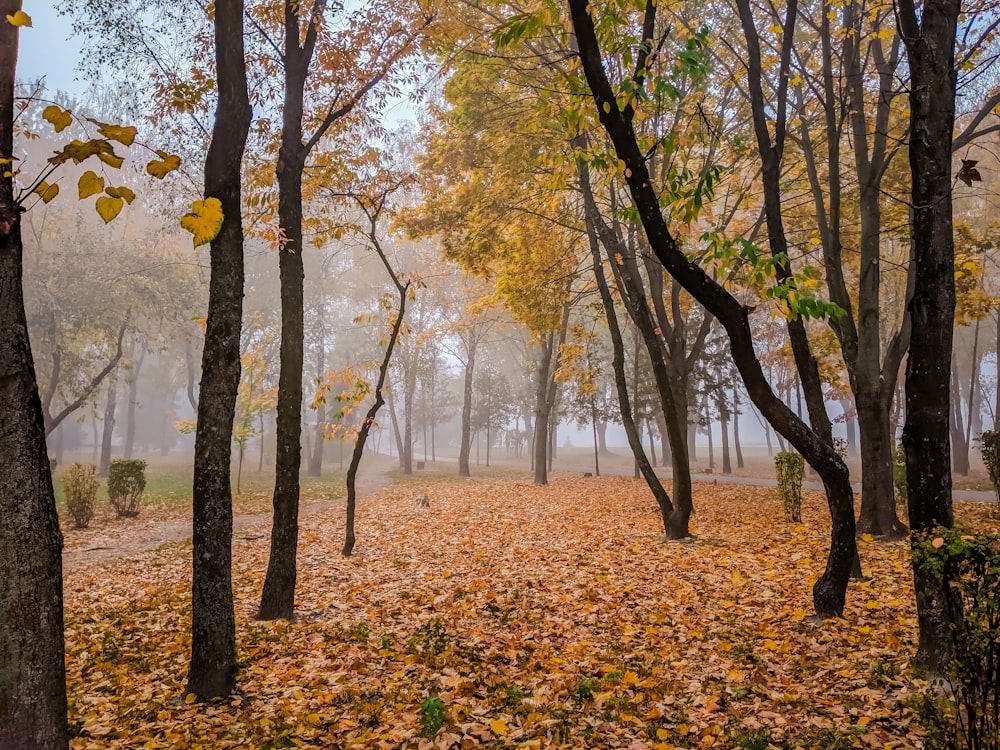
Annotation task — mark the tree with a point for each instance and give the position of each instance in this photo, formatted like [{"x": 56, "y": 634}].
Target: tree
[
  {"x": 300, "y": 46},
  {"x": 930, "y": 45},
  {"x": 213, "y": 631},
  {"x": 830, "y": 590},
  {"x": 32, "y": 670}
]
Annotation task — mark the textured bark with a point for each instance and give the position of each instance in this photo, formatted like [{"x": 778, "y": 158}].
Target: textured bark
[
  {"x": 316, "y": 456},
  {"x": 213, "y": 633},
  {"x": 540, "y": 439},
  {"x": 32, "y": 669},
  {"x": 930, "y": 44},
  {"x": 830, "y": 590}
]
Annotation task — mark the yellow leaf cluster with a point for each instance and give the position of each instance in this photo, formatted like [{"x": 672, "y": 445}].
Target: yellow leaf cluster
[{"x": 204, "y": 221}]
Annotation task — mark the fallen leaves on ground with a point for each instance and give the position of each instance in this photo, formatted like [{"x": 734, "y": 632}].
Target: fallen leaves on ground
[{"x": 510, "y": 615}]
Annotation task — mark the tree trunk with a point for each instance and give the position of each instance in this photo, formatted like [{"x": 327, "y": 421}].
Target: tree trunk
[
  {"x": 736, "y": 428},
  {"x": 466, "y": 440},
  {"x": 540, "y": 439},
  {"x": 930, "y": 44},
  {"x": 878, "y": 507},
  {"x": 213, "y": 631},
  {"x": 133, "y": 401},
  {"x": 410, "y": 383},
  {"x": 316, "y": 458},
  {"x": 956, "y": 425},
  {"x": 830, "y": 590},
  {"x": 727, "y": 466},
  {"x": 660, "y": 493},
  {"x": 32, "y": 660},
  {"x": 110, "y": 406}
]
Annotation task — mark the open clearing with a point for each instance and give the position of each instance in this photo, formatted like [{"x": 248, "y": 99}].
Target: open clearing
[{"x": 529, "y": 616}]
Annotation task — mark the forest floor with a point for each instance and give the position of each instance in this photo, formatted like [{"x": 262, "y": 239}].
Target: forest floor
[{"x": 505, "y": 615}]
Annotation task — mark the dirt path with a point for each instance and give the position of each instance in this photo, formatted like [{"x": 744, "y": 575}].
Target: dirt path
[{"x": 131, "y": 541}]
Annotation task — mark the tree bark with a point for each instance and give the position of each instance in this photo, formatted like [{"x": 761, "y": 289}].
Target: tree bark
[
  {"x": 316, "y": 457},
  {"x": 32, "y": 660},
  {"x": 110, "y": 407},
  {"x": 466, "y": 440},
  {"x": 830, "y": 590},
  {"x": 930, "y": 43},
  {"x": 133, "y": 398},
  {"x": 736, "y": 427},
  {"x": 213, "y": 633}
]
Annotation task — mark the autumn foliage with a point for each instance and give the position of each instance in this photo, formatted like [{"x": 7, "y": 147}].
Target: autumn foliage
[{"x": 510, "y": 615}]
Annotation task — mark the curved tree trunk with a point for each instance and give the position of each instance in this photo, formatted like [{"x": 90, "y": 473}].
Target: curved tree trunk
[
  {"x": 110, "y": 407},
  {"x": 213, "y": 629}
]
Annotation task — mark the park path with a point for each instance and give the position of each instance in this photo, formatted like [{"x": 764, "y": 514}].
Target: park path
[{"x": 133, "y": 540}]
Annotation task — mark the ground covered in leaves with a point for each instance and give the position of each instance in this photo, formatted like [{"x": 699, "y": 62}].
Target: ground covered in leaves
[{"x": 509, "y": 615}]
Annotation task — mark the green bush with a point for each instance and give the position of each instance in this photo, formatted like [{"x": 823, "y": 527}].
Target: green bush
[
  {"x": 788, "y": 470},
  {"x": 966, "y": 567},
  {"x": 899, "y": 473},
  {"x": 989, "y": 448},
  {"x": 432, "y": 716},
  {"x": 80, "y": 485},
  {"x": 126, "y": 482}
]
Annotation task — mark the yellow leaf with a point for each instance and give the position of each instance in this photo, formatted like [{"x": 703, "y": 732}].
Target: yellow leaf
[
  {"x": 59, "y": 117},
  {"x": 606, "y": 107},
  {"x": 190, "y": 698},
  {"x": 46, "y": 191},
  {"x": 90, "y": 184},
  {"x": 498, "y": 726},
  {"x": 111, "y": 159},
  {"x": 662, "y": 734},
  {"x": 121, "y": 192},
  {"x": 124, "y": 135},
  {"x": 204, "y": 221},
  {"x": 109, "y": 207},
  {"x": 867, "y": 538},
  {"x": 20, "y": 18},
  {"x": 160, "y": 169}
]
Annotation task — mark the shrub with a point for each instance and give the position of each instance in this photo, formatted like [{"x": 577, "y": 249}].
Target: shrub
[
  {"x": 966, "y": 568},
  {"x": 126, "y": 482},
  {"x": 788, "y": 470},
  {"x": 989, "y": 448},
  {"x": 80, "y": 484},
  {"x": 899, "y": 473},
  {"x": 432, "y": 716}
]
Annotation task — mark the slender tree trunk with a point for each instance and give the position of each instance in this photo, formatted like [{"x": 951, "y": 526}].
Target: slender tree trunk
[
  {"x": 736, "y": 427},
  {"x": 708, "y": 430},
  {"x": 541, "y": 435},
  {"x": 959, "y": 448},
  {"x": 110, "y": 407},
  {"x": 407, "y": 455},
  {"x": 727, "y": 466},
  {"x": 465, "y": 445},
  {"x": 319, "y": 442},
  {"x": 213, "y": 629},
  {"x": 32, "y": 661},
  {"x": 830, "y": 590},
  {"x": 877, "y": 517},
  {"x": 133, "y": 399}
]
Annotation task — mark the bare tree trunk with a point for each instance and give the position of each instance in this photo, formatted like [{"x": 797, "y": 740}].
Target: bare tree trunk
[
  {"x": 213, "y": 628},
  {"x": 109, "y": 424},
  {"x": 32, "y": 651},
  {"x": 133, "y": 404}
]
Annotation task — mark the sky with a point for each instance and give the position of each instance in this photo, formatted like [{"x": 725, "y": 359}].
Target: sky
[{"x": 47, "y": 49}]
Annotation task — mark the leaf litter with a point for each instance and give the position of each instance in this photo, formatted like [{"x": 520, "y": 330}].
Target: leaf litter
[{"x": 510, "y": 615}]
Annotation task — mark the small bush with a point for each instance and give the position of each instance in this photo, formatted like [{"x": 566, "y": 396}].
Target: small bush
[
  {"x": 432, "y": 716},
  {"x": 899, "y": 473},
  {"x": 80, "y": 484},
  {"x": 788, "y": 470},
  {"x": 126, "y": 482},
  {"x": 989, "y": 448},
  {"x": 967, "y": 569}
]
